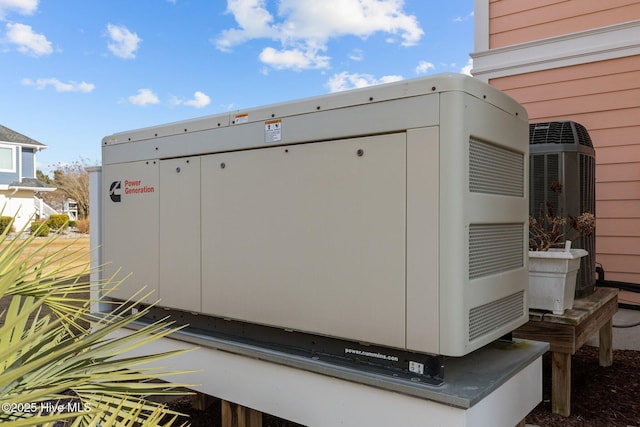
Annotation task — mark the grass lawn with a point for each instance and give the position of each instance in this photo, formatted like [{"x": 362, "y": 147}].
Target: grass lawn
[{"x": 74, "y": 251}]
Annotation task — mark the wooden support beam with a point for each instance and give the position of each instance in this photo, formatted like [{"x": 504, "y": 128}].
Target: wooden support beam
[
  {"x": 561, "y": 383},
  {"x": 202, "y": 401},
  {"x": 234, "y": 415},
  {"x": 606, "y": 344}
]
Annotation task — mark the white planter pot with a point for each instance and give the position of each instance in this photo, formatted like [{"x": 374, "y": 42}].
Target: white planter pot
[{"x": 552, "y": 278}]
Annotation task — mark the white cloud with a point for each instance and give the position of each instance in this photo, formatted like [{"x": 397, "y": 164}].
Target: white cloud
[
  {"x": 303, "y": 27},
  {"x": 345, "y": 81},
  {"x": 356, "y": 55},
  {"x": 124, "y": 43},
  {"x": 28, "y": 42},
  {"x": 23, "y": 7},
  {"x": 464, "y": 18},
  {"x": 467, "y": 68},
  {"x": 294, "y": 59},
  {"x": 199, "y": 100},
  {"x": 60, "y": 86},
  {"x": 144, "y": 97},
  {"x": 253, "y": 19},
  {"x": 424, "y": 67}
]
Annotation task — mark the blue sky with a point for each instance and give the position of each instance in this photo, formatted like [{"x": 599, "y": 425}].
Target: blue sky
[{"x": 74, "y": 71}]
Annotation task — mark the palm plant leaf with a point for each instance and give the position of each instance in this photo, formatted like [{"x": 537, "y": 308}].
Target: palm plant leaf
[{"x": 47, "y": 349}]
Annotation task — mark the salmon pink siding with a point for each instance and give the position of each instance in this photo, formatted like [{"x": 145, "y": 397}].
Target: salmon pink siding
[
  {"x": 517, "y": 21},
  {"x": 605, "y": 97}
]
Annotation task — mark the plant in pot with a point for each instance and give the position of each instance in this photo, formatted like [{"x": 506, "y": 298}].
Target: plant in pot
[{"x": 553, "y": 264}]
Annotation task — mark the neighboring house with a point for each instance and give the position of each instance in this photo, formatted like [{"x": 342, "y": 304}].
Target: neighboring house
[
  {"x": 577, "y": 60},
  {"x": 18, "y": 183},
  {"x": 70, "y": 207}
]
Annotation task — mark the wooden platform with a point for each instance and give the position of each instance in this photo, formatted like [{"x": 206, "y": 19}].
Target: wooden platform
[{"x": 567, "y": 332}]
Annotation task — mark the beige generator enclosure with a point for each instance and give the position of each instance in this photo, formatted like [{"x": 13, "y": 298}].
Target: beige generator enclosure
[{"x": 394, "y": 215}]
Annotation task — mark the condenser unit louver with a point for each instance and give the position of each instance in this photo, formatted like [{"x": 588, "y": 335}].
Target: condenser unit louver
[{"x": 562, "y": 152}]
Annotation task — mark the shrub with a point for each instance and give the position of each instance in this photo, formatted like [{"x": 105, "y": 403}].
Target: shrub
[
  {"x": 58, "y": 221},
  {"x": 5, "y": 221},
  {"x": 72, "y": 223},
  {"x": 40, "y": 229},
  {"x": 82, "y": 226}
]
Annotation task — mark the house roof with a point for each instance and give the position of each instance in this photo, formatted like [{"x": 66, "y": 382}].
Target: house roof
[
  {"x": 31, "y": 184},
  {"x": 9, "y": 135}
]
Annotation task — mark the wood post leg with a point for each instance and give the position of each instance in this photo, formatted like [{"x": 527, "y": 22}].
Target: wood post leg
[
  {"x": 202, "y": 401},
  {"x": 561, "y": 383},
  {"x": 606, "y": 344},
  {"x": 240, "y": 416},
  {"x": 227, "y": 415}
]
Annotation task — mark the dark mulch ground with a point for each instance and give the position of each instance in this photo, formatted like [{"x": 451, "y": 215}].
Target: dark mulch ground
[{"x": 601, "y": 397}]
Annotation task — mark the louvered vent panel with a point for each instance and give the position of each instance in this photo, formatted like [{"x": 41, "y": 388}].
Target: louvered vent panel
[
  {"x": 586, "y": 275},
  {"x": 489, "y": 317},
  {"x": 495, "y": 248},
  {"x": 495, "y": 170}
]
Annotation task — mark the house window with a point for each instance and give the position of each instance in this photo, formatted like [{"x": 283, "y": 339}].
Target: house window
[{"x": 7, "y": 159}]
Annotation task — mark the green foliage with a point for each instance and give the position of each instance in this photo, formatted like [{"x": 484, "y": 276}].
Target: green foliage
[
  {"x": 58, "y": 221},
  {"x": 48, "y": 353},
  {"x": 42, "y": 177},
  {"x": 39, "y": 229},
  {"x": 73, "y": 224},
  {"x": 5, "y": 222}
]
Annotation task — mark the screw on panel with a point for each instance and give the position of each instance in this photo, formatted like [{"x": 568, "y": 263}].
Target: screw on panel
[
  {"x": 223, "y": 165},
  {"x": 371, "y": 98},
  {"x": 360, "y": 152},
  {"x": 273, "y": 115},
  {"x": 178, "y": 170},
  {"x": 433, "y": 88},
  {"x": 318, "y": 107}
]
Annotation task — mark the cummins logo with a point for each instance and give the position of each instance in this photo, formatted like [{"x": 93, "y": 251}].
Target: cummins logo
[{"x": 114, "y": 191}]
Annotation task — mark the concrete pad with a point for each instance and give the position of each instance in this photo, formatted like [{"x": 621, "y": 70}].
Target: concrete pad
[{"x": 624, "y": 338}]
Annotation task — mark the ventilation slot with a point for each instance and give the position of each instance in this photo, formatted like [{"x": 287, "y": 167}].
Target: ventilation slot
[
  {"x": 495, "y": 170},
  {"x": 545, "y": 170},
  {"x": 495, "y": 248},
  {"x": 492, "y": 316}
]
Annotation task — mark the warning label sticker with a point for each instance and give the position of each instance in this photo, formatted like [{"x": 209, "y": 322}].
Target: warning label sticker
[
  {"x": 241, "y": 118},
  {"x": 272, "y": 131}
]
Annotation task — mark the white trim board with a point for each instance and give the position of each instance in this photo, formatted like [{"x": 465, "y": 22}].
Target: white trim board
[{"x": 614, "y": 41}]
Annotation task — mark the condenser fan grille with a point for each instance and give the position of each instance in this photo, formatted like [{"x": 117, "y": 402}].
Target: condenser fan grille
[{"x": 559, "y": 133}]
